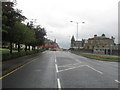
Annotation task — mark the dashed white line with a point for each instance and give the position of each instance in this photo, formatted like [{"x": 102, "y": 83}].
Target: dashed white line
[
  {"x": 58, "y": 80},
  {"x": 59, "y": 84},
  {"x": 55, "y": 60},
  {"x": 55, "y": 57},
  {"x": 117, "y": 81},
  {"x": 94, "y": 69},
  {"x": 56, "y": 68}
]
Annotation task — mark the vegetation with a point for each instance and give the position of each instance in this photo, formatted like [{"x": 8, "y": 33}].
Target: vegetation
[
  {"x": 4, "y": 50},
  {"x": 9, "y": 56},
  {"x": 15, "y": 31},
  {"x": 99, "y": 57},
  {"x": 105, "y": 58}
]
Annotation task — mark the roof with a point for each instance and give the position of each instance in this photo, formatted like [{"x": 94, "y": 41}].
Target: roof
[{"x": 98, "y": 38}]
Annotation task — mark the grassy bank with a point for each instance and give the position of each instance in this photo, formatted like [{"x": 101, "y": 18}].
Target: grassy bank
[
  {"x": 8, "y": 56},
  {"x": 99, "y": 57}
]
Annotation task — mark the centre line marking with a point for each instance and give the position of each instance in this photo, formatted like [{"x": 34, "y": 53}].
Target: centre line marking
[
  {"x": 55, "y": 57},
  {"x": 117, "y": 81},
  {"x": 55, "y": 60},
  {"x": 59, "y": 84},
  {"x": 56, "y": 68},
  {"x": 94, "y": 69}
]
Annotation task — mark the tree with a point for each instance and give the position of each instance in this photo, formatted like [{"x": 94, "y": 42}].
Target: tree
[
  {"x": 22, "y": 34},
  {"x": 10, "y": 17},
  {"x": 40, "y": 33},
  {"x": 14, "y": 31}
]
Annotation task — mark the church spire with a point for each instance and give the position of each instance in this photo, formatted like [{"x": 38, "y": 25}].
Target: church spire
[{"x": 72, "y": 39}]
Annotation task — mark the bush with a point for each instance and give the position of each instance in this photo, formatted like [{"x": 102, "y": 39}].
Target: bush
[{"x": 8, "y": 56}]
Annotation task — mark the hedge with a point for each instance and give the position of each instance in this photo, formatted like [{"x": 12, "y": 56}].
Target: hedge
[{"x": 8, "y": 56}]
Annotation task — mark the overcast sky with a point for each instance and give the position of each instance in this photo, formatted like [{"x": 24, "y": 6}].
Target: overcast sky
[{"x": 100, "y": 16}]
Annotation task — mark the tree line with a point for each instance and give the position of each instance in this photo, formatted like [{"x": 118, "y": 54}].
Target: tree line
[{"x": 14, "y": 30}]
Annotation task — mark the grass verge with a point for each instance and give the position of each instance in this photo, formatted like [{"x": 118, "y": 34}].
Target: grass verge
[{"x": 99, "y": 57}]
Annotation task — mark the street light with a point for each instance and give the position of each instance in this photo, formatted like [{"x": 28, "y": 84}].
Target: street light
[{"x": 77, "y": 28}]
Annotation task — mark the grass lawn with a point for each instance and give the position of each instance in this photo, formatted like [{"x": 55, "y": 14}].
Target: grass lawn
[{"x": 100, "y": 57}]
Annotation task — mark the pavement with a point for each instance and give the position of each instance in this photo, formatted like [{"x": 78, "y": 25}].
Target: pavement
[
  {"x": 10, "y": 65},
  {"x": 59, "y": 69}
]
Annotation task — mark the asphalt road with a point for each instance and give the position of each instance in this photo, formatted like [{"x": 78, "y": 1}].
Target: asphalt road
[{"x": 58, "y": 69}]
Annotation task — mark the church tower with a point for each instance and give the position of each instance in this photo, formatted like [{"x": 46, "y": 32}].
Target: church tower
[{"x": 72, "y": 42}]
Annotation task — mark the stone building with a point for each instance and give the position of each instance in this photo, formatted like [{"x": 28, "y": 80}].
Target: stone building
[
  {"x": 100, "y": 44},
  {"x": 51, "y": 45},
  {"x": 76, "y": 44}
]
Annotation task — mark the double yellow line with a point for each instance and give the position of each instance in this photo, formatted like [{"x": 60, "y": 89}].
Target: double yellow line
[{"x": 18, "y": 68}]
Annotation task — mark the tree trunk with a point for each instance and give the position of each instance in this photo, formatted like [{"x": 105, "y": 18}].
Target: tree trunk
[
  {"x": 29, "y": 47},
  {"x": 32, "y": 47},
  {"x": 10, "y": 47},
  {"x": 18, "y": 47},
  {"x": 25, "y": 47}
]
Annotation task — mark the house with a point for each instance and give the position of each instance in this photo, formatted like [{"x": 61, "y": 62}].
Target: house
[{"x": 100, "y": 44}]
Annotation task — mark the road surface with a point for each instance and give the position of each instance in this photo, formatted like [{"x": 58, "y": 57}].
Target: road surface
[{"x": 59, "y": 69}]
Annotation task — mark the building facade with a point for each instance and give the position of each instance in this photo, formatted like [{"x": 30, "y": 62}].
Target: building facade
[
  {"x": 97, "y": 44},
  {"x": 100, "y": 44},
  {"x": 76, "y": 44},
  {"x": 51, "y": 45}
]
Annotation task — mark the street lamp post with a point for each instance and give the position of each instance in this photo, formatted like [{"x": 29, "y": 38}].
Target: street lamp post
[{"x": 77, "y": 28}]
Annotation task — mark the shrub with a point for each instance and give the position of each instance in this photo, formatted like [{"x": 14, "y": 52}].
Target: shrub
[{"x": 8, "y": 56}]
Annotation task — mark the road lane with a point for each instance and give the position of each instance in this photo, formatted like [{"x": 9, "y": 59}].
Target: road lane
[
  {"x": 38, "y": 74},
  {"x": 59, "y": 69},
  {"x": 86, "y": 74}
]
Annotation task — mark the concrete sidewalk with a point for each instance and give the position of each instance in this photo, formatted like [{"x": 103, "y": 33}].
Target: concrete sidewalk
[{"x": 10, "y": 65}]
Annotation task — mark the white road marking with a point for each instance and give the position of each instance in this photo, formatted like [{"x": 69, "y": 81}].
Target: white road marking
[
  {"x": 117, "y": 81},
  {"x": 55, "y": 60},
  {"x": 71, "y": 68},
  {"x": 94, "y": 69},
  {"x": 77, "y": 61},
  {"x": 68, "y": 65},
  {"x": 55, "y": 57},
  {"x": 59, "y": 84},
  {"x": 56, "y": 68}
]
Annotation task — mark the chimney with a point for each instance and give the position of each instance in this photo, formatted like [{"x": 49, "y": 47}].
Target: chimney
[{"x": 95, "y": 35}]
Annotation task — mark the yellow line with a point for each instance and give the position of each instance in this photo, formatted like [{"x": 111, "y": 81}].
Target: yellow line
[{"x": 17, "y": 69}]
